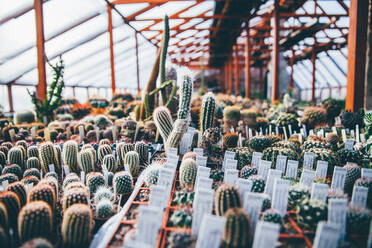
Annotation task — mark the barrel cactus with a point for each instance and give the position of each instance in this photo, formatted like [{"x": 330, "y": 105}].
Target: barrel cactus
[
  {"x": 103, "y": 150},
  {"x": 103, "y": 193},
  {"x": 104, "y": 209},
  {"x": 296, "y": 194},
  {"x": 70, "y": 155},
  {"x": 238, "y": 229},
  {"x": 32, "y": 151},
  {"x": 227, "y": 196},
  {"x": 94, "y": 181},
  {"x": 86, "y": 161},
  {"x": 273, "y": 216},
  {"x": 109, "y": 162},
  {"x": 14, "y": 169},
  {"x": 258, "y": 185},
  {"x": 16, "y": 156},
  {"x": 19, "y": 189},
  {"x": 141, "y": 148},
  {"x": 42, "y": 192},
  {"x": 33, "y": 162},
  {"x": 12, "y": 204},
  {"x": 74, "y": 196},
  {"x": 187, "y": 173},
  {"x": 310, "y": 212},
  {"x": 123, "y": 182},
  {"x": 132, "y": 159},
  {"x": 47, "y": 156}
]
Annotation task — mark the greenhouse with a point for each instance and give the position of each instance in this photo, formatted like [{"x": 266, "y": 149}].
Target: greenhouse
[{"x": 185, "y": 123}]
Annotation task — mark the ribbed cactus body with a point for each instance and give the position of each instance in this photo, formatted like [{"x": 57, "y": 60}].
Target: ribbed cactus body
[
  {"x": 103, "y": 193},
  {"x": 94, "y": 181},
  {"x": 92, "y": 150},
  {"x": 188, "y": 170},
  {"x": 121, "y": 150},
  {"x": 123, "y": 182},
  {"x": 109, "y": 162},
  {"x": 37, "y": 243},
  {"x": 238, "y": 229},
  {"x": 132, "y": 159},
  {"x": 74, "y": 185},
  {"x": 86, "y": 161},
  {"x": 207, "y": 112},
  {"x": 35, "y": 220},
  {"x": 30, "y": 180},
  {"x": 70, "y": 155},
  {"x": 104, "y": 209},
  {"x": 52, "y": 181},
  {"x": 8, "y": 145},
  {"x": 10, "y": 177},
  {"x": 141, "y": 148},
  {"x": 33, "y": 162},
  {"x": 2, "y": 158},
  {"x": 32, "y": 151},
  {"x": 163, "y": 121},
  {"x": 70, "y": 178},
  {"x": 4, "y": 219},
  {"x": 103, "y": 150},
  {"x": 32, "y": 172},
  {"x": 74, "y": 196},
  {"x": 77, "y": 226},
  {"x": 185, "y": 97},
  {"x": 12, "y": 204},
  {"x": 15, "y": 156},
  {"x": 5, "y": 150},
  {"x": 175, "y": 137},
  {"x": 227, "y": 196},
  {"x": 48, "y": 155},
  {"x": 42, "y": 192},
  {"x": 58, "y": 150},
  {"x": 152, "y": 174},
  {"x": 22, "y": 143},
  {"x": 20, "y": 190},
  {"x": 51, "y": 174},
  {"x": 14, "y": 169}
]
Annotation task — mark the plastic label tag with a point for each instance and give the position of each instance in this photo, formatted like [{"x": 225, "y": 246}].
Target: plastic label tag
[
  {"x": 359, "y": 197},
  {"x": 337, "y": 210},
  {"x": 338, "y": 179},
  {"x": 203, "y": 183},
  {"x": 201, "y": 160},
  {"x": 366, "y": 172},
  {"x": 307, "y": 177},
  {"x": 319, "y": 191},
  {"x": 256, "y": 158},
  {"x": 321, "y": 169},
  {"x": 272, "y": 175},
  {"x": 263, "y": 168},
  {"x": 349, "y": 144},
  {"x": 81, "y": 132},
  {"x": 280, "y": 195},
  {"x": 211, "y": 231},
  {"x": 149, "y": 222},
  {"x": 266, "y": 235},
  {"x": 292, "y": 167},
  {"x": 281, "y": 162},
  {"x": 157, "y": 196},
  {"x": 244, "y": 186},
  {"x": 51, "y": 168},
  {"x": 231, "y": 164},
  {"x": 309, "y": 160},
  {"x": 66, "y": 169},
  {"x": 199, "y": 151},
  {"x": 203, "y": 204},
  {"x": 231, "y": 176},
  {"x": 327, "y": 235}
]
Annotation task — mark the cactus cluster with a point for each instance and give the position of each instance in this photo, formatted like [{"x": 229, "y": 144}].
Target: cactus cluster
[
  {"x": 296, "y": 194},
  {"x": 310, "y": 212}
]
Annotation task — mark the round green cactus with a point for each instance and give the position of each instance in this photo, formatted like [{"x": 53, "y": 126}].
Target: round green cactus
[
  {"x": 10, "y": 177},
  {"x": 121, "y": 150},
  {"x": 103, "y": 150},
  {"x": 187, "y": 173},
  {"x": 273, "y": 216},
  {"x": 258, "y": 185},
  {"x": 123, "y": 182},
  {"x": 357, "y": 220},
  {"x": 310, "y": 212},
  {"x": 26, "y": 116},
  {"x": 104, "y": 209},
  {"x": 141, "y": 148},
  {"x": 227, "y": 196},
  {"x": 94, "y": 181},
  {"x": 248, "y": 171},
  {"x": 30, "y": 180},
  {"x": 152, "y": 174},
  {"x": 296, "y": 194}
]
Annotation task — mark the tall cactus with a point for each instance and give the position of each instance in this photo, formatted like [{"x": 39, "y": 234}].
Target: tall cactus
[
  {"x": 227, "y": 196},
  {"x": 185, "y": 96},
  {"x": 141, "y": 148},
  {"x": 42, "y": 192},
  {"x": 15, "y": 156},
  {"x": 132, "y": 159},
  {"x": 77, "y": 226},
  {"x": 32, "y": 151},
  {"x": 35, "y": 220},
  {"x": 109, "y": 162},
  {"x": 121, "y": 150},
  {"x": 163, "y": 58},
  {"x": 12, "y": 204},
  {"x": 20, "y": 190},
  {"x": 33, "y": 162},
  {"x": 86, "y": 161},
  {"x": 103, "y": 150},
  {"x": 238, "y": 229},
  {"x": 207, "y": 112},
  {"x": 70, "y": 155},
  {"x": 52, "y": 181},
  {"x": 188, "y": 170},
  {"x": 47, "y": 156},
  {"x": 163, "y": 121}
]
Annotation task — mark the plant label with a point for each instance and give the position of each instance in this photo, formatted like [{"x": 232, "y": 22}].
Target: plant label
[
  {"x": 231, "y": 164},
  {"x": 211, "y": 231},
  {"x": 5, "y": 184},
  {"x": 186, "y": 143},
  {"x": 244, "y": 186},
  {"x": 203, "y": 171},
  {"x": 338, "y": 179},
  {"x": 231, "y": 176},
  {"x": 172, "y": 150},
  {"x": 263, "y": 168},
  {"x": 349, "y": 144},
  {"x": 33, "y": 132},
  {"x": 309, "y": 160},
  {"x": 203, "y": 183},
  {"x": 252, "y": 204},
  {"x": 149, "y": 222},
  {"x": 246, "y": 132},
  {"x": 250, "y": 132},
  {"x": 319, "y": 191},
  {"x": 337, "y": 210},
  {"x": 157, "y": 196},
  {"x": 66, "y": 169},
  {"x": 359, "y": 197},
  {"x": 270, "y": 180},
  {"x": 81, "y": 132},
  {"x": 352, "y": 133},
  {"x": 321, "y": 169},
  {"x": 366, "y": 172},
  {"x": 166, "y": 177},
  {"x": 290, "y": 129},
  {"x": 228, "y": 155},
  {"x": 292, "y": 167},
  {"x": 277, "y": 130},
  {"x": 307, "y": 177},
  {"x": 311, "y": 132},
  {"x": 28, "y": 187},
  {"x": 327, "y": 235},
  {"x": 343, "y": 134},
  {"x": 199, "y": 151},
  {"x": 256, "y": 158},
  {"x": 285, "y": 133},
  {"x": 82, "y": 177},
  {"x": 201, "y": 160},
  {"x": 126, "y": 167},
  {"x": 51, "y": 168},
  {"x": 281, "y": 162},
  {"x": 266, "y": 235},
  {"x": 203, "y": 204},
  {"x": 280, "y": 195},
  {"x": 270, "y": 129}
]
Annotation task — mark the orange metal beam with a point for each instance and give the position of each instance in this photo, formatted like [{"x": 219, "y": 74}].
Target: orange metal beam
[
  {"x": 236, "y": 77},
  {"x": 291, "y": 62},
  {"x": 313, "y": 59},
  {"x": 247, "y": 66},
  {"x": 40, "y": 41},
  {"x": 144, "y": 1},
  {"x": 10, "y": 98},
  {"x": 275, "y": 72},
  {"x": 112, "y": 62},
  {"x": 357, "y": 41},
  {"x": 137, "y": 66}
]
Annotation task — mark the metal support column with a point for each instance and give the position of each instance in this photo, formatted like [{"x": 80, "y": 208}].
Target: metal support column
[{"x": 109, "y": 10}]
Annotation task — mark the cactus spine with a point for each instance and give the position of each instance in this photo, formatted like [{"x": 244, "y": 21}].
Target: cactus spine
[
  {"x": 94, "y": 181},
  {"x": 77, "y": 226},
  {"x": 12, "y": 204},
  {"x": 32, "y": 172},
  {"x": 123, "y": 182},
  {"x": 2, "y": 159},
  {"x": 74, "y": 196},
  {"x": 163, "y": 121},
  {"x": 20, "y": 190},
  {"x": 70, "y": 155},
  {"x": 32, "y": 151},
  {"x": 48, "y": 155},
  {"x": 15, "y": 156},
  {"x": 103, "y": 150},
  {"x": 4, "y": 219},
  {"x": 185, "y": 97},
  {"x": 42, "y": 192},
  {"x": 109, "y": 162},
  {"x": 141, "y": 148},
  {"x": 132, "y": 159},
  {"x": 227, "y": 196},
  {"x": 104, "y": 209},
  {"x": 238, "y": 229},
  {"x": 35, "y": 220},
  {"x": 33, "y": 162},
  {"x": 207, "y": 112},
  {"x": 14, "y": 169},
  {"x": 86, "y": 161},
  {"x": 188, "y": 170}
]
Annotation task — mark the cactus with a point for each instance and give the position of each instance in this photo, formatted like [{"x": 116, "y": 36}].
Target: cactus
[
  {"x": 48, "y": 155},
  {"x": 350, "y": 119},
  {"x": 152, "y": 174},
  {"x": 357, "y": 220},
  {"x": 86, "y": 161},
  {"x": 296, "y": 194},
  {"x": 230, "y": 140},
  {"x": 94, "y": 181},
  {"x": 273, "y": 216},
  {"x": 53, "y": 182},
  {"x": 22, "y": 143},
  {"x": 30, "y": 179},
  {"x": 141, "y": 148},
  {"x": 32, "y": 151},
  {"x": 333, "y": 139},
  {"x": 20, "y": 190},
  {"x": 104, "y": 209},
  {"x": 70, "y": 178},
  {"x": 35, "y": 220},
  {"x": 33, "y": 162},
  {"x": 122, "y": 149},
  {"x": 4, "y": 219},
  {"x": 207, "y": 112},
  {"x": 174, "y": 138},
  {"x": 238, "y": 229},
  {"x": 123, "y": 182},
  {"x": 109, "y": 162},
  {"x": 366, "y": 182},
  {"x": 37, "y": 243},
  {"x": 51, "y": 174},
  {"x": 42, "y": 192},
  {"x": 2, "y": 159},
  {"x": 266, "y": 203},
  {"x": 10, "y": 177},
  {"x": 32, "y": 172},
  {"x": 185, "y": 97},
  {"x": 74, "y": 196},
  {"x": 260, "y": 143},
  {"x": 180, "y": 238},
  {"x": 7, "y": 145},
  {"x": 12, "y": 204},
  {"x": 247, "y": 171},
  {"x": 231, "y": 117},
  {"x": 310, "y": 212},
  {"x": 314, "y": 116},
  {"x": 187, "y": 173},
  {"x": 14, "y": 169},
  {"x": 132, "y": 159},
  {"x": 103, "y": 193},
  {"x": 352, "y": 156},
  {"x": 333, "y": 109},
  {"x": 163, "y": 121},
  {"x": 77, "y": 226},
  {"x": 353, "y": 173},
  {"x": 103, "y": 150},
  {"x": 15, "y": 156},
  {"x": 70, "y": 155},
  {"x": 74, "y": 185},
  {"x": 227, "y": 196},
  {"x": 5, "y": 150},
  {"x": 88, "y": 147},
  {"x": 110, "y": 177},
  {"x": 258, "y": 183}
]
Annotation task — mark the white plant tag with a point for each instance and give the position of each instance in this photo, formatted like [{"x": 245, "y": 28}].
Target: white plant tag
[
  {"x": 82, "y": 177},
  {"x": 51, "y": 168},
  {"x": 244, "y": 186},
  {"x": 97, "y": 133},
  {"x": 5, "y": 184},
  {"x": 319, "y": 191},
  {"x": 203, "y": 183},
  {"x": 256, "y": 158},
  {"x": 186, "y": 143},
  {"x": 263, "y": 168},
  {"x": 201, "y": 160},
  {"x": 290, "y": 129},
  {"x": 252, "y": 204},
  {"x": 149, "y": 223},
  {"x": 228, "y": 155},
  {"x": 272, "y": 175},
  {"x": 337, "y": 210},
  {"x": 33, "y": 132},
  {"x": 280, "y": 195},
  {"x": 307, "y": 177},
  {"x": 285, "y": 133},
  {"x": 199, "y": 151},
  {"x": 126, "y": 167},
  {"x": 158, "y": 196},
  {"x": 250, "y": 133},
  {"x": 246, "y": 132},
  {"x": 292, "y": 167},
  {"x": 277, "y": 130},
  {"x": 45, "y": 120},
  {"x": 327, "y": 235},
  {"x": 203, "y": 171},
  {"x": 334, "y": 130},
  {"x": 68, "y": 131},
  {"x": 359, "y": 197},
  {"x": 210, "y": 231},
  {"x": 281, "y": 162},
  {"x": 81, "y": 132},
  {"x": 366, "y": 172},
  {"x": 231, "y": 176},
  {"x": 266, "y": 235},
  {"x": 309, "y": 160},
  {"x": 357, "y": 133},
  {"x": 352, "y": 133},
  {"x": 311, "y": 132},
  {"x": 66, "y": 169},
  {"x": 321, "y": 169},
  {"x": 343, "y": 134},
  {"x": 338, "y": 179},
  {"x": 231, "y": 164},
  {"x": 349, "y": 144},
  {"x": 172, "y": 150},
  {"x": 203, "y": 204},
  {"x": 115, "y": 133},
  {"x": 270, "y": 129},
  {"x": 28, "y": 187},
  {"x": 166, "y": 177}
]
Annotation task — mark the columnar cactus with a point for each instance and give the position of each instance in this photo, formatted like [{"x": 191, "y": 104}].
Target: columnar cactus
[
  {"x": 94, "y": 181},
  {"x": 187, "y": 173},
  {"x": 90, "y": 148},
  {"x": 24, "y": 151},
  {"x": 207, "y": 112},
  {"x": 2, "y": 159},
  {"x": 141, "y": 148},
  {"x": 8, "y": 145},
  {"x": 104, "y": 209},
  {"x": 86, "y": 161},
  {"x": 132, "y": 159},
  {"x": 52, "y": 181},
  {"x": 238, "y": 229},
  {"x": 74, "y": 196},
  {"x": 12, "y": 204},
  {"x": 121, "y": 150},
  {"x": 33, "y": 162},
  {"x": 103, "y": 150},
  {"x": 48, "y": 155},
  {"x": 14, "y": 169},
  {"x": 4, "y": 219},
  {"x": 5, "y": 150},
  {"x": 77, "y": 226},
  {"x": 20, "y": 190},
  {"x": 35, "y": 220},
  {"x": 185, "y": 97},
  {"x": 32, "y": 151},
  {"x": 163, "y": 121},
  {"x": 70, "y": 155},
  {"x": 15, "y": 156},
  {"x": 109, "y": 162},
  {"x": 10, "y": 177},
  {"x": 227, "y": 196},
  {"x": 42, "y": 192},
  {"x": 353, "y": 173},
  {"x": 123, "y": 182}
]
